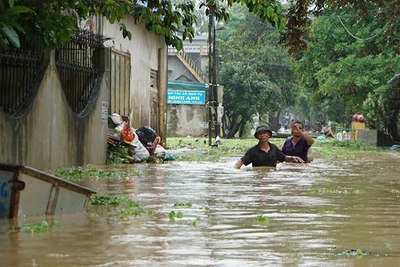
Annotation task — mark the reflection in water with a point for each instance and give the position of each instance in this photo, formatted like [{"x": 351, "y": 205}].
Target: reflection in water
[{"x": 316, "y": 211}]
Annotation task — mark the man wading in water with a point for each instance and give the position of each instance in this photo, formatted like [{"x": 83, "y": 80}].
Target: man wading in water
[
  {"x": 264, "y": 153},
  {"x": 299, "y": 144}
]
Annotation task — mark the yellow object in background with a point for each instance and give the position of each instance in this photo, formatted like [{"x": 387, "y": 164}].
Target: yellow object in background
[{"x": 356, "y": 126}]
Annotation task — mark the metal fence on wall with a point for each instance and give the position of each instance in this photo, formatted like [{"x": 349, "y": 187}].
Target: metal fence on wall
[
  {"x": 80, "y": 66},
  {"x": 79, "y": 62},
  {"x": 21, "y": 71}
]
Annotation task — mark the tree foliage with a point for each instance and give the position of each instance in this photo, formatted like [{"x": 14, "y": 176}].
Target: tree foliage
[
  {"x": 56, "y": 21},
  {"x": 9, "y": 23},
  {"x": 348, "y": 64},
  {"x": 301, "y": 13},
  {"x": 255, "y": 73}
]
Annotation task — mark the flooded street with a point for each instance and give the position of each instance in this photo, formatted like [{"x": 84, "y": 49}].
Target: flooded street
[{"x": 294, "y": 215}]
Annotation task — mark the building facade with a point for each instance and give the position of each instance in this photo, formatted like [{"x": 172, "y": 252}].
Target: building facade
[{"x": 188, "y": 75}]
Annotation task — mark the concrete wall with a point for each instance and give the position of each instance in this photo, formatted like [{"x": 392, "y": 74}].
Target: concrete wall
[
  {"x": 184, "y": 120},
  {"x": 50, "y": 135},
  {"x": 368, "y": 137}
]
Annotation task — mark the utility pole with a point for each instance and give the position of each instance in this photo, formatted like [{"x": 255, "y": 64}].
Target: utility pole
[
  {"x": 211, "y": 49},
  {"x": 213, "y": 123},
  {"x": 215, "y": 81}
]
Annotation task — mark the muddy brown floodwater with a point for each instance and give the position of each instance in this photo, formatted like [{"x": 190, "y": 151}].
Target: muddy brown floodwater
[{"x": 316, "y": 212}]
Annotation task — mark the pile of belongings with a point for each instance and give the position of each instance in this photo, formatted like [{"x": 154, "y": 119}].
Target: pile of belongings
[{"x": 129, "y": 145}]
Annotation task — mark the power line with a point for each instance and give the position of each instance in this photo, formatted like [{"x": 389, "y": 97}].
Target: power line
[{"x": 357, "y": 38}]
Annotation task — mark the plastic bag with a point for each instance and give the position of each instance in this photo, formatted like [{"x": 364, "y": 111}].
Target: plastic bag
[
  {"x": 146, "y": 135},
  {"x": 159, "y": 151},
  {"x": 140, "y": 151}
]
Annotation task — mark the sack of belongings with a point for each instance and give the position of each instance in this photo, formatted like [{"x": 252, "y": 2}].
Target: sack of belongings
[{"x": 148, "y": 137}]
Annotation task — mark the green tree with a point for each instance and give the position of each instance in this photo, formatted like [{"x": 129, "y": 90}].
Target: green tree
[
  {"x": 348, "y": 65},
  {"x": 255, "y": 72},
  {"x": 55, "y": 21},
  {"x": 301, "y": 13},
  {"x": 382, "y": 107}
]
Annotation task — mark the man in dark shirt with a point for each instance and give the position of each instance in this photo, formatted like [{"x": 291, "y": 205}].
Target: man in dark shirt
[
  {"x": 300, "y": 142},
  {"x": 264, "y": 153}
]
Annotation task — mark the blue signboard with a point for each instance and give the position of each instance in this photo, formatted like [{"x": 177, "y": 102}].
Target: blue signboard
[{"x": 186, "y": 97}]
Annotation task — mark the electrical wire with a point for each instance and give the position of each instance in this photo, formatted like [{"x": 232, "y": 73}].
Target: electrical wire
[{"x": 361, "y": 39}]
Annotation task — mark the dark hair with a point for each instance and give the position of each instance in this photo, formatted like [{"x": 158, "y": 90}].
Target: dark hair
[{"x": 299, "y": 122}]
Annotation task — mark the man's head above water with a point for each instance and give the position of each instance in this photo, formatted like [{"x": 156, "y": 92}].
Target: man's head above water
[
  {"x": 296, "y": 128},
  {"x": 262, "y": 129}
]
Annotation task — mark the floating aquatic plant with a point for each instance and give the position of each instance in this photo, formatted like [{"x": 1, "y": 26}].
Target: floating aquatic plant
[
  {"x": 79, "y": 174},
  {"x": 395, "y": 191},
  {"x": 43, "y": 226},
  {"x": 261, "y": 218},
  {"x": 172, "y": 215},
  {"x": 179, "y": 204},
  {"x": 327, "y": 212},
  {"x": 127, "y": 207},
  {"x": 336, "y": 191},
  {"x": 40, "y": 227}
]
